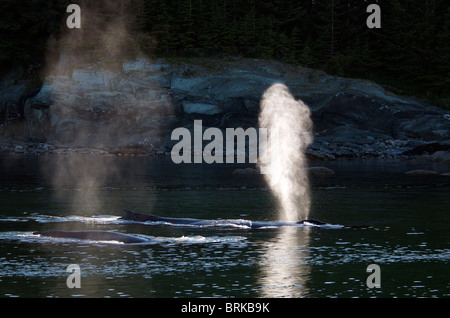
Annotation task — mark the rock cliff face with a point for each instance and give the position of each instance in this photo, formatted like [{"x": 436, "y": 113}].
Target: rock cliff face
[{"x": 139, "y": 104}]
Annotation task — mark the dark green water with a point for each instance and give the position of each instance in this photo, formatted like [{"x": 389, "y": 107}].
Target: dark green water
[{"x": 408, "y": 239}]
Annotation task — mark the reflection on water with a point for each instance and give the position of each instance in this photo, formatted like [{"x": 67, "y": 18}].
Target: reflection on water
[
  {"x": 283, "y": 268},
  {"x": 408, "y": 240}
]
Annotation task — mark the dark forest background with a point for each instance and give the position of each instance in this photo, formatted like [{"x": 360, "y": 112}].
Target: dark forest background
[{"x": 410, "y": 53}]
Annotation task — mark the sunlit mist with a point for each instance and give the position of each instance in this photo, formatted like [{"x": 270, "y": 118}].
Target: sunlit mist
[{"x": 289, "y": 128}]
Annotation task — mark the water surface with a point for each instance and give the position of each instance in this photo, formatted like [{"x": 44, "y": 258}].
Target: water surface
[{"x": 408, "y": 237}]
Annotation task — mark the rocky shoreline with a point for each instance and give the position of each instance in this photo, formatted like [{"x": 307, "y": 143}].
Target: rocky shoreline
[
  {"x": 131, "y": 111},
  {"x": 413, "y": 151}
]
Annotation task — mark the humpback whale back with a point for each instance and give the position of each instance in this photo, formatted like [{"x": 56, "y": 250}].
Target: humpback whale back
[
  {"x": 93, "y": 235},
  {"x": 140, "y": 217},
  {"x": 311, "y": 222}
]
